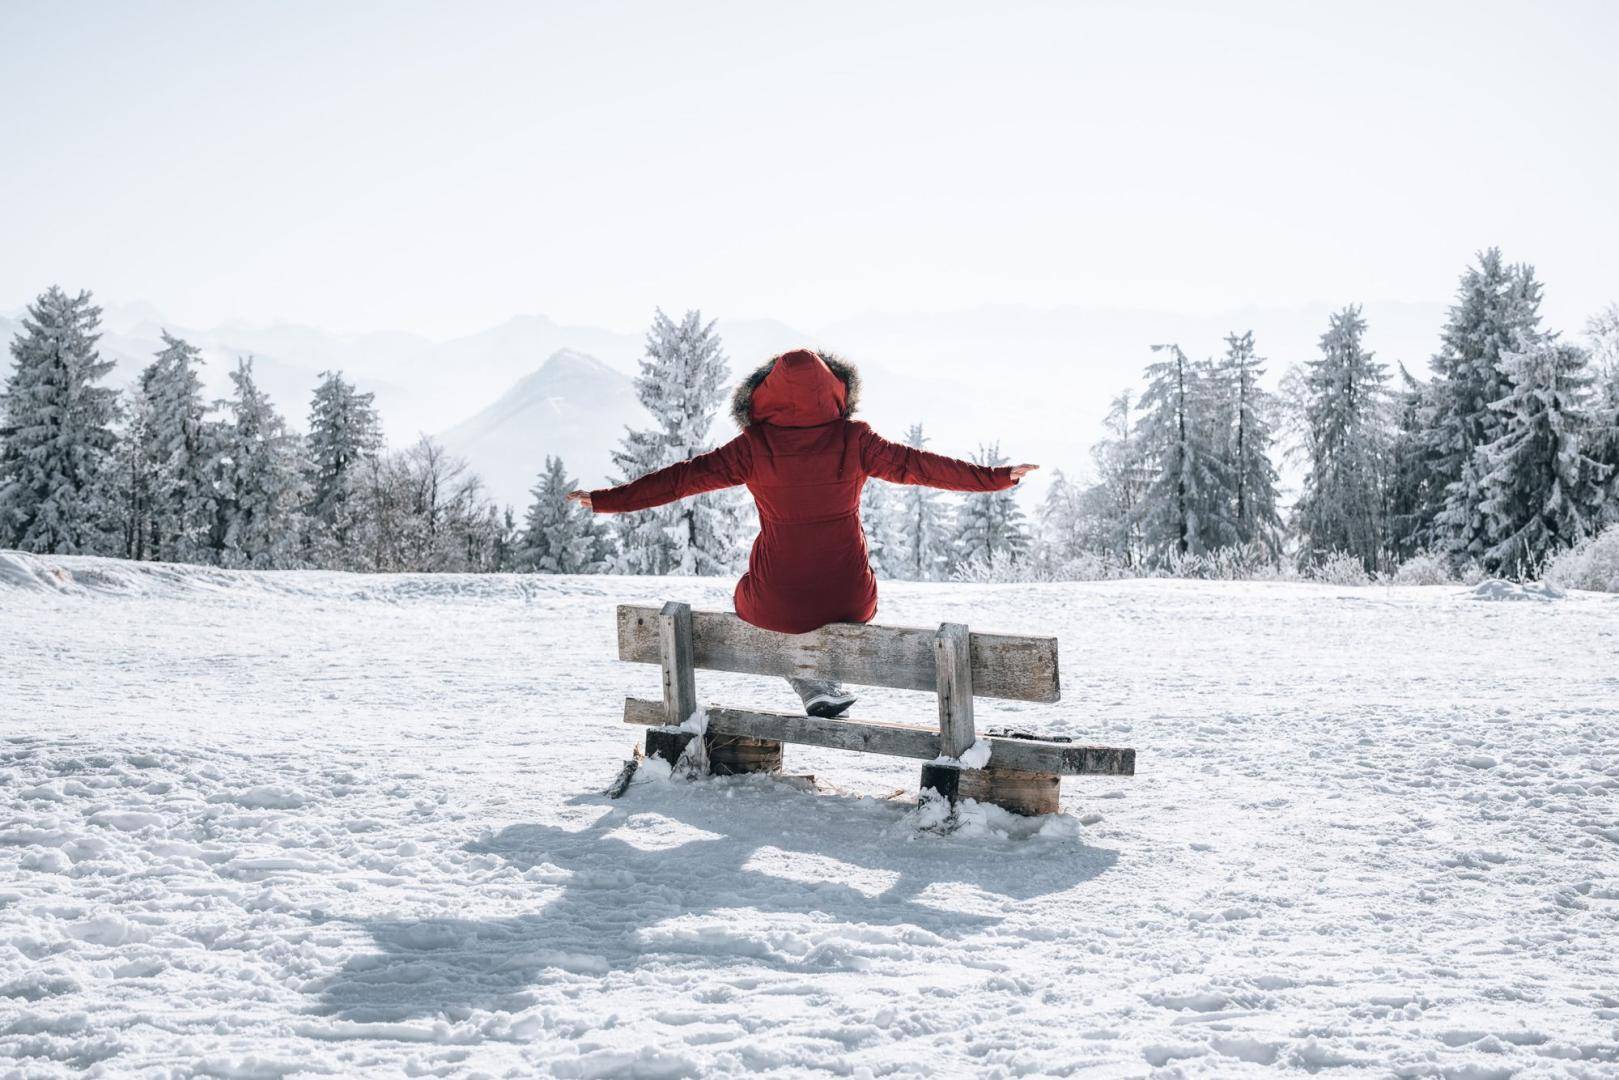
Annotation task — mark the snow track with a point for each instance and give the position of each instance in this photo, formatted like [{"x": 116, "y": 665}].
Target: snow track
[{"x": 269, "y": 825}]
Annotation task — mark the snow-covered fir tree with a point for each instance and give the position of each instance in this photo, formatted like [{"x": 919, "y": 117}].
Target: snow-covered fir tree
[
  {"x": 989, "y": 524},
  {"x": 925, "y": 524},
  {"x": 1076, "y": 519},
  {"x": 345, "y": 437},
  {"x": 258, "y": 472},
  {"x": 56, "y": 432},
  {"x": 1060, "y": 524},
  {"x": 1603, "y": 331},
  {"x": 1184, "y": 509},
  {"x": 559, "y": 537},
  {"x": 1497, "y": 311},
  {"x": 133, "y": 476},
  {"x": 1252, "y": 477},
  {"x": 1342, "y": 507},
  {"x": 1603, "y": 442},
  {"x": 1408, "y": 471},
  {"x": 181, "y": 510},
  {"x": 681, "y": 383},
  {"x": 1102, "y": 517},
  {"x": 1542, "y": 491},
  {"x": 491, "y": 540},
  {"x": 140, "y": 488},
  {"x": 506, "y": 542},
  {"x": 882, "y": 516},
  {"x": 1123, "y": 476}
]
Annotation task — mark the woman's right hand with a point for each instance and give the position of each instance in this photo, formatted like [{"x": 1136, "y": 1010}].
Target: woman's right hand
[
  {"x": 582, "y": 498},
  {"x": 1020, "y": 471}
]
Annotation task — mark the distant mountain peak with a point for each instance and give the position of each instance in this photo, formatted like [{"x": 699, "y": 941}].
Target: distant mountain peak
[
  {"x": 572, "y": 405},
  {"x": 565, "y": 367},
  {"x": 565, "y": 359}
]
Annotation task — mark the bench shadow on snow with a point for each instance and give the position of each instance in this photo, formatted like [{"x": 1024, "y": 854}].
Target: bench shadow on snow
[{"x": 622, "y": 906}]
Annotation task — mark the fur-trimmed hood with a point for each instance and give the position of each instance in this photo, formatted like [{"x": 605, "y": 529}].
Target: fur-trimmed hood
[{"x": 800, "y": 393}]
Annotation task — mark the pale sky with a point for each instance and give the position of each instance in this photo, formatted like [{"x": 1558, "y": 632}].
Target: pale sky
[{"x": 440, "y": 168}]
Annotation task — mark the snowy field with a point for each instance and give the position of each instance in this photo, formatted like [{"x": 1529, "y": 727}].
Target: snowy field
[{"x": 318, "y": 824}]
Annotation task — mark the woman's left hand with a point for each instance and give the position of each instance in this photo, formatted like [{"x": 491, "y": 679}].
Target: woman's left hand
[
  {"x": 582, "y": 498},
  {"x": 1020, "y": 471}
]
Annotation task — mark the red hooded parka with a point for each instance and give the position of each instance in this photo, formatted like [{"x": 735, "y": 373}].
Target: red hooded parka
[{"x": 805, "y": 463}]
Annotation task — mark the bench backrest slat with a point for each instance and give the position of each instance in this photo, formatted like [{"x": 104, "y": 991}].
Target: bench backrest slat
[{"x": 1003, "y": 665}]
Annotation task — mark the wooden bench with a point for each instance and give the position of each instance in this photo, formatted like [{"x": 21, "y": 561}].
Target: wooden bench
[{"x": 1022, "y": 773}]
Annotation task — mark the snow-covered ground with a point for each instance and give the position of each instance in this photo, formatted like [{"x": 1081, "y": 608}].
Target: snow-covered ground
[{"x": 308, "y": 823}]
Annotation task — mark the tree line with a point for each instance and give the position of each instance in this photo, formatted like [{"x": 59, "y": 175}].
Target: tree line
[
  {"x": 157, "y": 472},
  {"x": 1505, "y": 455}
]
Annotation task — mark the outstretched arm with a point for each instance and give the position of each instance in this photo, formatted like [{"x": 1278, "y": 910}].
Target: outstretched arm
[
  {"x": 722, "y": 467},
  {"x": 901, "y": 464}
]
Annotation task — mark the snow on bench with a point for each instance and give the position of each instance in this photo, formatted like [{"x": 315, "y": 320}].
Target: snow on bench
[{"x": 1017, "y": 772}]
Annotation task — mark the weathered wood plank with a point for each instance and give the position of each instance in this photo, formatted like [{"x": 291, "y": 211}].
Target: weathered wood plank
[
  {"x": 899, "y": 740},
  {"x": 729, "y": 755},
  {"x": 675, "y": 654},
  {"x": 954, "y": 677},
  {"x": 1027, "y": 793},
  {"x": 1003, "y": 665}
]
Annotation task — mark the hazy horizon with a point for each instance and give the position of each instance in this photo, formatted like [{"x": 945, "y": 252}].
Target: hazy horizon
[
  {"x": 1055, "y": 372},
  {"x": 997, "y": 214}
]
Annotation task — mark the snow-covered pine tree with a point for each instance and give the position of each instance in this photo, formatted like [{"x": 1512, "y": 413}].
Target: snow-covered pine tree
[
  {"x": 132, "y": 477},
  {"x": 1249, "y": 436},
  {"x": 490, "y": 536},
  {"x": 881, "y": 514},
  {"x": 1184, "y": 508},
  {"x": 681, "y": 383},
  {"x": 507, "y": 542},
  {"x": 1075, "y": 519},
  {"x": 56, "y": 437},
  {"x": 1342, "y": 507},
  {"x": 989, "y": 523},
  {"x": 1407, "y": 471},
  {"x": 559, "y": 537},
  {"x": 1497, "y": 310},
  {"x": 345, "y": 436},
  {"x": 925, "y": 524},
  {"x": 182, "y": 508},
  {"x": 1603, "y": 331},
  {"x": 259, "y": 477},
  {"x": 1542, "y": 492},
  {"x": 1104, "y": 517},
  {"x": 140, "y": 456},
  {"x": 1603, "y": 441}
]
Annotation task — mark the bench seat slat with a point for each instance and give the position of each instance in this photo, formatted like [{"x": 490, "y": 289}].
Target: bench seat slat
[
  {"x": 898, "y": 740},
  {"x": 1003, "y": 665}
]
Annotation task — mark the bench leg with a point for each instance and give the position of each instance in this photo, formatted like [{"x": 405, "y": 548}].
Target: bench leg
[
  {"x": 667, "y": 745},
  {"x": 727, "y": 754},
  {"x": 1027, "y": 793},
  {"x": 732, "y": 754}
]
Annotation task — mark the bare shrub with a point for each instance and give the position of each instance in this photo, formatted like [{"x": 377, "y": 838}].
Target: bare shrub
[
  {"x": 1423, "y": 568},
  {"x": 1340, "y": 568},
  {"x": 1591, "y": 564}
]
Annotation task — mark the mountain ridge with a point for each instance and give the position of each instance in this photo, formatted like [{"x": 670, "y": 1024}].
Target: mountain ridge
[{"x": 573, "y": 406}]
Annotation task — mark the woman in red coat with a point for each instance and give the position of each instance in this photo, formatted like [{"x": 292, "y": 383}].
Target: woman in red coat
[{"x": 805, "y": 462}]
